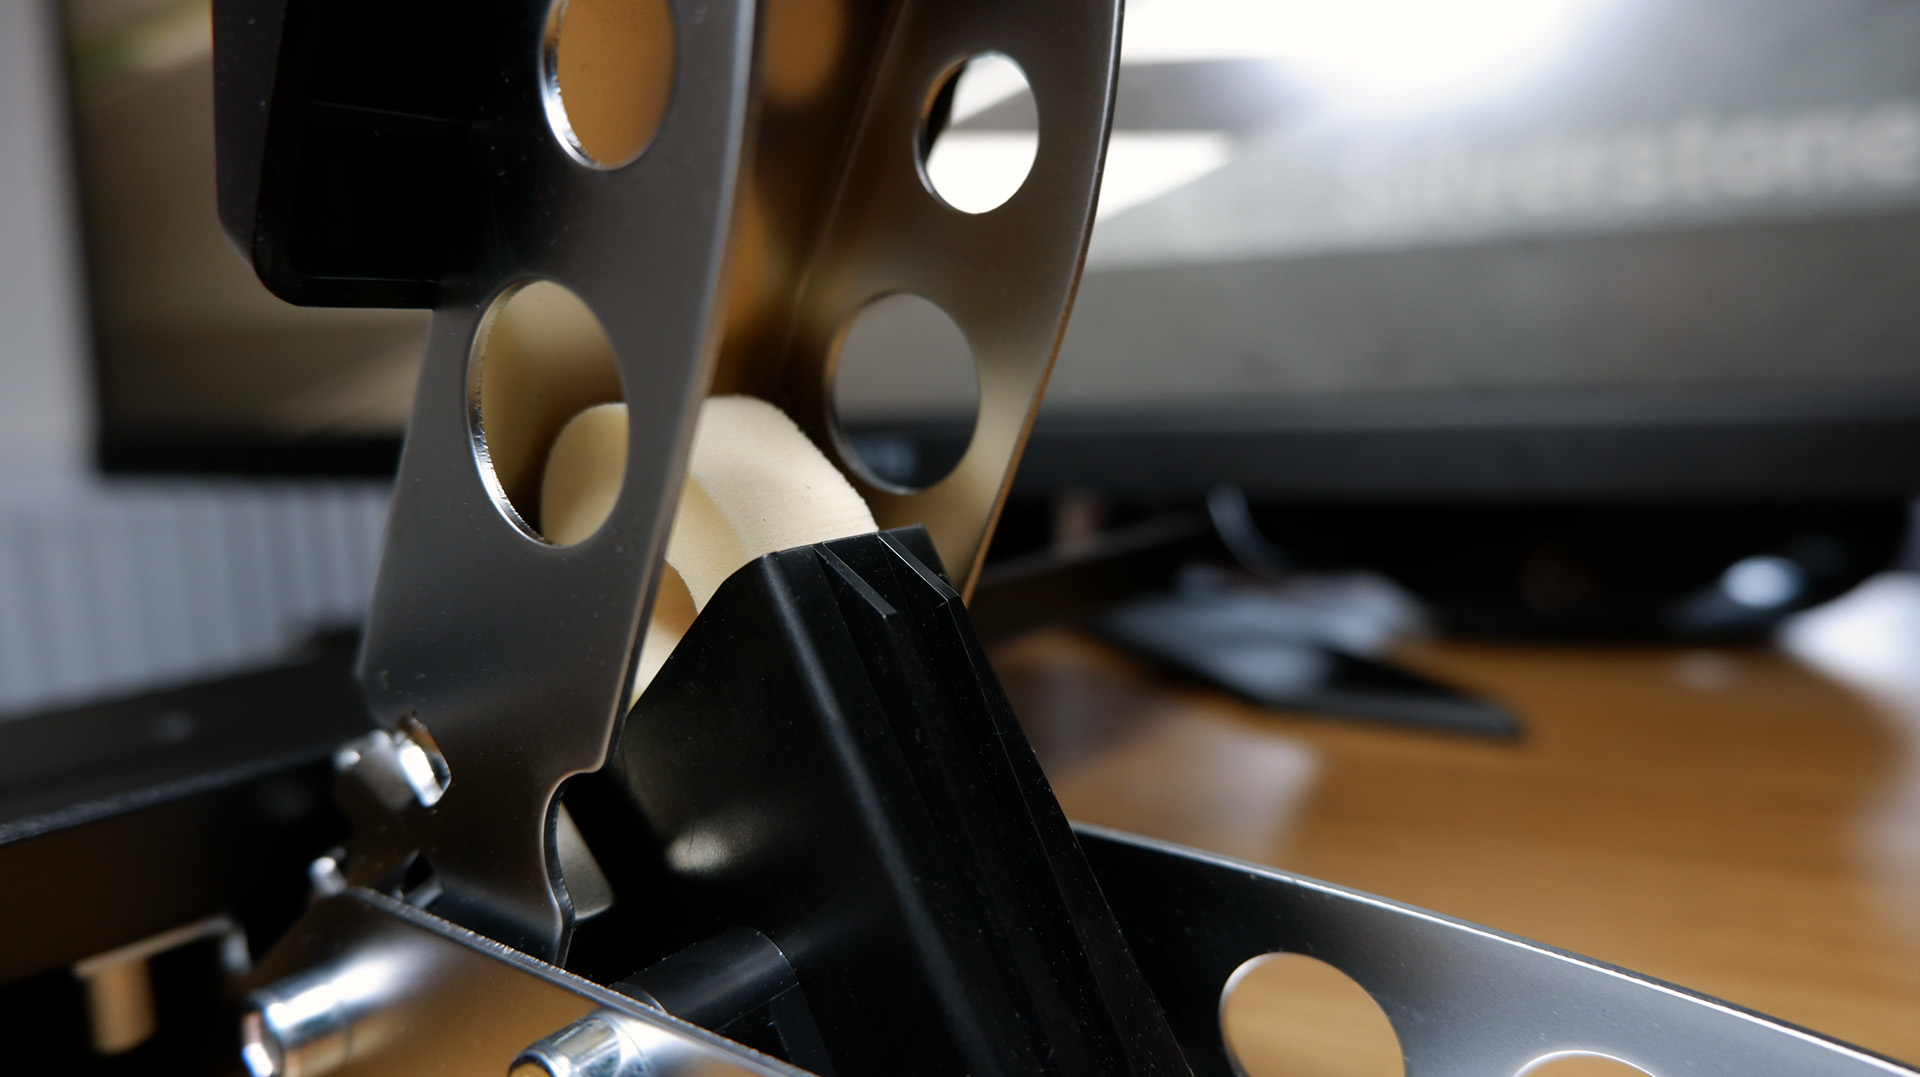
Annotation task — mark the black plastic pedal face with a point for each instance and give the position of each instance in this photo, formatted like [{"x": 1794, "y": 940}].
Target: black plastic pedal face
[
  {"x": 828, "y": 759},
  {"x": 355, "y": 140}
]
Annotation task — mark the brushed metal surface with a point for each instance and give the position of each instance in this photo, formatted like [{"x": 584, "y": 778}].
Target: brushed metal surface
[
  {"x": 513, "y": 652},
  {"x": 783, "y": 191},
  {"x": 1463, "y": 999},
  {"x": 425, "y": 996}
]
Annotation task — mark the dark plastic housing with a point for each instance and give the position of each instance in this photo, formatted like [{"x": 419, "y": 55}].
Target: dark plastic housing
[{"x": 828, "y": 759}]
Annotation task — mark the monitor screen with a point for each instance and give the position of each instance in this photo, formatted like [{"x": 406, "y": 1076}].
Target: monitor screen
[
  {"x": 1355, "y": 248},
  {"x": 1391, "y": 247}
]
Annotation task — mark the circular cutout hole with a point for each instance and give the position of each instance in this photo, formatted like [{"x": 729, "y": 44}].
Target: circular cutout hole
[
  {"x": 905, "y": 392},
  {"x": 608, "y": 75},
  {"x": 542, "y": 361},
  {"x": 1581, "y": 1064},
  {"x": 980, "y": 134},
  {"x": 1289, "y": 1015}
]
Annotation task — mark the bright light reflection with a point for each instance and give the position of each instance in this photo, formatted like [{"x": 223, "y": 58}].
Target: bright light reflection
[
  {"x": 1871, "y": 639},
  {"x": 1371, "y": 51},
  {"x": 258, "y": 1052},
  {"x": 978, "y": 170},
  {"x": 1143, "y": 165},
  {"x": 987, "y": 80},
  {"x": 975, "y": 171},
  {"x": 1762, "y": 583}
]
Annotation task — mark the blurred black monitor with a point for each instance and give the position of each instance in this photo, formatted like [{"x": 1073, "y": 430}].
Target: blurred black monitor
[
  {"x": 1365, "y": 248},
  {"x": 1377, "y": 253}
]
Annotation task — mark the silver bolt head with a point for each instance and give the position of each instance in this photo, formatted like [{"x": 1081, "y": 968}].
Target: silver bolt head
[{"x": 597, "y": 1045}]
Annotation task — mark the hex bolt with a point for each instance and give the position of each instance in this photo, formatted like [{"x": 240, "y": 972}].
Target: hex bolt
[
  {"x": 299, "y": 1027},
  {"x": 598, "y": 1045},
  {"x": 327, "y": 875}
]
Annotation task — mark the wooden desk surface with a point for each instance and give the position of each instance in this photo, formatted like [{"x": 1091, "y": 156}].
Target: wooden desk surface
[{"x": 1733, "y": 821}]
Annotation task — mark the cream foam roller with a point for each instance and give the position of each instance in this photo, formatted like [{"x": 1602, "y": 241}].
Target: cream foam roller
[{"x": 754, "y": 484}]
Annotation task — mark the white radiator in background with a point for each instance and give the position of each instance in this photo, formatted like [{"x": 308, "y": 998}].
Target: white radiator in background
[
  {"x": 110, "y": 587},
  {"x": 128, "y": 586}
]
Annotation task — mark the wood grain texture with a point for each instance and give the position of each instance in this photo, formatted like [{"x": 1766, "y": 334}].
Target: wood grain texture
[{"x": 1733, "y": 821}]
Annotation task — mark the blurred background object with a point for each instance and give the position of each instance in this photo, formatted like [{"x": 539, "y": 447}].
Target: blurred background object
[
  {"x": 133, "y": 340},
  {"x": 1576, "y": 318},
  {"x": 198, "y": 367},
  {"x": 1571, "y": 318},
  {"x": 1558, "y": 248}
]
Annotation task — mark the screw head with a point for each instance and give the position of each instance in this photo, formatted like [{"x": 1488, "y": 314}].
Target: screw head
[
  {"x": 597, "y": 1045},
  {"x": 260, "y": 1049}
]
